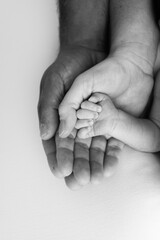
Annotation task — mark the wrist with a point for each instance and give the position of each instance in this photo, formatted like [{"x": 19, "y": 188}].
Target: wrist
[
  {"x": 83, "y": 23},
  {"x": 78, "y": 56},
  {"x": 120, "y": 125},
  {"x": 113, "y": 123},
  {"x": 72, "y": 61},
  {"x": 140, "y": 54},
  {"x": 138, "y": 43},
  {"x": 90, "y": 44}
]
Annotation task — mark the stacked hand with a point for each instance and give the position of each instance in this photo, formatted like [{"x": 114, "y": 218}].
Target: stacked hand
[
  {"x": 82, "y": 69},
  {"x": 129, "y": 86},
  {"x": 69, "y": 154}
]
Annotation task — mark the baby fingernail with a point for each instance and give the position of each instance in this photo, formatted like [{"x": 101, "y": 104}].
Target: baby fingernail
[
  {"x": 96, "y": 115},
  {"x": 91, "y": 122},
  {"x": 92, "y": 99},
  {"x": 99, "y": 109}
]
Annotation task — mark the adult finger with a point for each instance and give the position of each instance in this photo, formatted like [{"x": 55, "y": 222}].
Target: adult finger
[
  {"x": 50, "y": 150},
  {"x": 114, "y": 147},
  {"x": 65, "y": 148},
  {"x": 97, "y": 151},
  {"x": 81, "y": 167},
  {"x": 51, "y": 91},
  {"x": 72, "y": 183}
]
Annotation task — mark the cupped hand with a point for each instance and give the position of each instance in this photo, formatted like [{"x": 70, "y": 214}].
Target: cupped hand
[
  {"x": 65, "y": 155},
  {"x": 126, "y": 78}
]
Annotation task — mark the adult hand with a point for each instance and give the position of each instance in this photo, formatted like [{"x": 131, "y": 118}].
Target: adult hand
[{"x": 61, "y": 153}]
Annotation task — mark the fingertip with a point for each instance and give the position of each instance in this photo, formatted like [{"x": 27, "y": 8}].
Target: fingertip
[
  {"x": 83, "y": 104},
  {"x": 96, "y": 180},
  {"x": 56, "y": 172},
  {"x": 63, "y": 131},
  {"x": 110, "y": 166},
  {"x": 77, "y": 126},
  {"x": 53, "y": 165},
  {"x": 81, "y": 171},
  {"x": 71, "y": 183},
  {"x": 96, "y": 174},
  {"x": 96, "y": 115},
  {"x": 93, "y": 99},
  {"x": 99, "y": 109},
  {"x": 65, "y": 161},
  {"x": 45, "y": 132},
  {"x": 48, "y": 122}
]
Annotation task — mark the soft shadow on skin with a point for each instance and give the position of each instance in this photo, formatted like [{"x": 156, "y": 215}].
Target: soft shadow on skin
[
  {"x": 135, "y": 172},
  {"x": 129, "y": 201},
  {"x": 141, "y": 169},
  {"x": 157, "y": 155}
]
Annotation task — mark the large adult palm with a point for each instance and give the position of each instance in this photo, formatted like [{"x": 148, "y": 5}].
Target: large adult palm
[{"x": 65, "y": 155}]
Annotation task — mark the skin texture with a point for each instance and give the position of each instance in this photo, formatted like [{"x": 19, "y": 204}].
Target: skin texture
[
  {"x": 127, "y": 74},
  {"x": 123, "y": 81},
  {"x": 79, "y": 51},
  {"x": 104, "y": 123},
  {"x": 139, "y": 133},
  {"x": 61, "y": 153}
]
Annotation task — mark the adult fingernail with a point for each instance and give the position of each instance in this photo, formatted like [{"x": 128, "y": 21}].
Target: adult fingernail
[{"x": 44, "y": 131}]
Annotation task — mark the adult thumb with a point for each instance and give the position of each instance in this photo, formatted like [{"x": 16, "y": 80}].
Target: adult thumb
[{"x": 48, "y": 121}]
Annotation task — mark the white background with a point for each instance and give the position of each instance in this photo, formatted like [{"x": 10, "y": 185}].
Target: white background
[{"x": 34, "y": 205}]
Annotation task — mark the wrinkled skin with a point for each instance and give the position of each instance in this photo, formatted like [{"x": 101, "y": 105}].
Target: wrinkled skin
[
  {"x": 72, "y": 153},
  {"x": 127, "y": 84},
  {"x": 120, "y": 76}
]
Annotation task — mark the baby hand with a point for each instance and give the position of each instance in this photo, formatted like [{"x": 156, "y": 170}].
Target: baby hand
[{"x": 97, "y": 116}]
